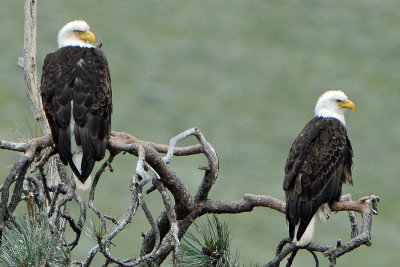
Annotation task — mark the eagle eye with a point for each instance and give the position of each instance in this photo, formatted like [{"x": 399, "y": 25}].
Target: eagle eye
[
  {"x": 78, "y": 31},
  {"x": 338, "y": 101}
]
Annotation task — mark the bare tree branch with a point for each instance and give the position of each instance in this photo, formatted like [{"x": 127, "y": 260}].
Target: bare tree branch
[
  {"x": 30, "y": 73},
  {"x": 174, "y": 229},
  {"x": 189, "y": 210}
]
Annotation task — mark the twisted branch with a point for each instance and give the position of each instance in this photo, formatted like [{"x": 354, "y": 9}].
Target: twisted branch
[{"x": 179, "y": 213}]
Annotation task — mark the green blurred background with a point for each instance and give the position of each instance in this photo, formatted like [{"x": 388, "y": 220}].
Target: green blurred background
[{"x": 248, "y": 74}]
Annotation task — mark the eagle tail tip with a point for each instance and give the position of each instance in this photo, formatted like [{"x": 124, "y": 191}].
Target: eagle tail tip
[
  {"x": 307, "y": 236},
  {"x": 83, "y": 185}
]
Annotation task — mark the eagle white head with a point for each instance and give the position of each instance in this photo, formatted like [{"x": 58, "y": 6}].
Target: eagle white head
[
  {"x": 76, "y": 33},
  {"x": 332, "y": 104}
]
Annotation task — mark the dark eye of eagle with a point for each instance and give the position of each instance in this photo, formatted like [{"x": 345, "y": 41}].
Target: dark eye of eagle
[
  {"x": 338, "y": 101},
  {"x": 78, "y": 31}
]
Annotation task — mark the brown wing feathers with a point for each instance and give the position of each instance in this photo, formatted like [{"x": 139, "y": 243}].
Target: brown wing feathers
[
  {"x": 315, "y": 170},
  {"x": 79, "y": 75}
]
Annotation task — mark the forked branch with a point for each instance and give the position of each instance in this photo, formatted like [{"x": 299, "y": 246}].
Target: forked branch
[{"x": 179, "y": 213}]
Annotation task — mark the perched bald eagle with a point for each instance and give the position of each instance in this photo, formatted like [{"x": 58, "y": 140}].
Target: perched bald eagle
[
  {"x": 76, "y": 95},
  {"x": 319, "y": 162}
]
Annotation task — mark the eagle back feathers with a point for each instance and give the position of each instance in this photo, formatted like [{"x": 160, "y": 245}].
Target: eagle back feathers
[
  {"x": 319, "y": 162},
  {"x": 81, "y": 76}
]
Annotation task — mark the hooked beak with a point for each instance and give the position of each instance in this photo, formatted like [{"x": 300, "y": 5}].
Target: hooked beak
[
  {"x": 348, "y": 104},
  {"x": 87, "y": 36}
]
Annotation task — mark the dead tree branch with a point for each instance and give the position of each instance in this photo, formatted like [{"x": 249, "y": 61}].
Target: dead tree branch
[
  {"x": 30, "y": 72},
  {"x": 179, "y": 213}
]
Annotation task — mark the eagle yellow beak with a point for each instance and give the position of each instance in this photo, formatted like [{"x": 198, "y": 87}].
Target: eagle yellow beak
[
  {"x": 348, "y": 104},
  {"x": 87, "y": 36}
]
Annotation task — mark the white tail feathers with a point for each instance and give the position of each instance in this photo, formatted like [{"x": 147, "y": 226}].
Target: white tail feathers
[
  {"x": 321, "y": 215},
  {"x": 307, "y": 235},
  {"x": 77, "y": 154},
  {"x": 83, "y": 186},
  {"x": 77, "y": 159}
]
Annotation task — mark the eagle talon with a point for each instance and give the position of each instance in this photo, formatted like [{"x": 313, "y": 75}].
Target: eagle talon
[
  {"x": 364, "y": 199},
  {"x": 346, "y": 197},
  {"x": 374, "y": 202},
  {"x": 368, "y": 199}
]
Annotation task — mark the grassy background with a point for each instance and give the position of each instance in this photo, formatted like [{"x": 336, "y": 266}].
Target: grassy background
[{"x": 248, "y": 74}]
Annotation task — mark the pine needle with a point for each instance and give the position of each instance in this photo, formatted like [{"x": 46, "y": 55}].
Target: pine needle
[
  {"x": 207, "y": 244},
  {"x": 33, "y": 243}
]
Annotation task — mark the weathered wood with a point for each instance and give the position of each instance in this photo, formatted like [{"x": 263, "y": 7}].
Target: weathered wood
[{"x": 30, "y": 70}]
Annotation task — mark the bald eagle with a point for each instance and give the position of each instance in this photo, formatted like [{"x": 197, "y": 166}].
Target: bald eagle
[
  {"x": 319, "y": 162},
  {"x": 76, "y": 95}
]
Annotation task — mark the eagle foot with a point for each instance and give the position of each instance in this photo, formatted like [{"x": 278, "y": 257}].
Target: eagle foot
[{"x": 373, "y": 200}]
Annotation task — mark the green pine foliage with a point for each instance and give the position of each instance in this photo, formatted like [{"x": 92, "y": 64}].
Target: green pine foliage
[
  {"x": 207, "y": 244},
  {"x": 33, "y": 243},
  {"x": 97, "y": 230}
]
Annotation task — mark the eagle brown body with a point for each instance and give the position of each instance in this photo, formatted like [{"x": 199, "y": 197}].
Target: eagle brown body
[
  {"x": 76, "y": 86},
  {"x": 319, "y": 162}
]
